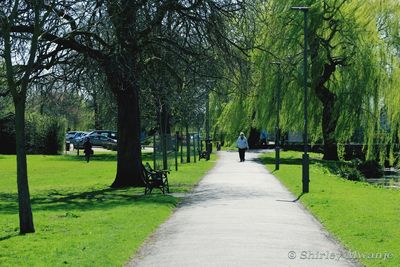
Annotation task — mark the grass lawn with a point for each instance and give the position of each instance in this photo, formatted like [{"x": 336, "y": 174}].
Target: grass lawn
[
  {"x": 365, "y": 218},
  {"x": 79, "y": 220}
]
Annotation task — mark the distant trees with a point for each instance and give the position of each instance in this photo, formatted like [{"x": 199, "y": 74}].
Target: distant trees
[
  {"x": 348, "y": 71},
  {"x": 122, "y": 39},
  {"x": 121, "y": 36}
]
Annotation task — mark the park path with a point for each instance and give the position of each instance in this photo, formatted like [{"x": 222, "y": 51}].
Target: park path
[{"x": 240, "y": 215}]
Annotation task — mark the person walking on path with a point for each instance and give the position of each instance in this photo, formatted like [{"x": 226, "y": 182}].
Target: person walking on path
[
  {"x": 242, "y": 145},
  {"x": 87, "y": 147}
]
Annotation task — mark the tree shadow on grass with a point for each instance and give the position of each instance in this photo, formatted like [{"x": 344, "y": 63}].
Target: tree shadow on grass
[
  {"x": 96, "y": 157},
  {"x": 8, "y": 236},
  {"x": 99, "y": 157},
  {"x": 283, "y": 161},
  {"x": 298, "y": 161},
  {"x": 97, "y": 199}
]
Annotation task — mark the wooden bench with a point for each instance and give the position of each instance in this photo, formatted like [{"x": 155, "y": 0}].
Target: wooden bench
[
  {"x": 202, "y": 155},
  {"x": 155, "y": 179}
]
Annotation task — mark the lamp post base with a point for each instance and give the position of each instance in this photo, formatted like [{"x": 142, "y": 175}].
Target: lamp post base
[
  {"x": 306, "y": 173},
  {"x": 277, "y": 157}
]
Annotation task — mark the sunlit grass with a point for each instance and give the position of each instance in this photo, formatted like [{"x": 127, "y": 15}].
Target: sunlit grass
[
  {"x": 365, "y": 218},
  {"x": 79, "y": 220}
]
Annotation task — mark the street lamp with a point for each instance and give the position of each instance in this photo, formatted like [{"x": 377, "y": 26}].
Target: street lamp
[
  {"x": 208, "y": 143},
  {"x": 278, "y": 108},
  {"x": 306, "y": 171}
]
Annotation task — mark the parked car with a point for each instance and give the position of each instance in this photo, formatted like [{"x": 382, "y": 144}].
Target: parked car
[
  {"x": 69, "y": 136},
  {"x": 78, "y": 135},
  {"x": 110, "y": 144},
  {"x": 103, "y": 138}
]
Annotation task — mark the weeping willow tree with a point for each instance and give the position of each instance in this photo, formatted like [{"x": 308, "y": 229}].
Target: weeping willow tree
[
  {"x": 231, "y": 109},
  {"x": 235, "y": 111},
  {"x": 347, "y": 71},
  {"x": 389, "y": 26}
]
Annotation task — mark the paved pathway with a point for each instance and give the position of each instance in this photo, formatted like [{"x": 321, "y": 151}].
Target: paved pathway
[{"x": 240, "y": 215}]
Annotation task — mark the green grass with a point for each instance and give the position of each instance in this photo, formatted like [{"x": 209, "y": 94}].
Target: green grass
[
  {"x": 365, "y": 218},
  {"x": 79, "y": 220}
]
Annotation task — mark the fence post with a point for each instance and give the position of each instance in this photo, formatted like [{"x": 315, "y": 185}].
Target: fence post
[
  {"x": 176, "y": 151},
  {"x": 181, "y": 142},
  {"x": 154, "y": 152},
  {"x": 187, "y": 144},
  {"x": 164, "y": 151},
  {"x": 194, "y": 148}
]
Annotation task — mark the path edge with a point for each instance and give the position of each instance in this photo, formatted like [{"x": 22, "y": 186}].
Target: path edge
[
  {"x": 140, "y": 253},
  {"x": 329, "y": 235}
]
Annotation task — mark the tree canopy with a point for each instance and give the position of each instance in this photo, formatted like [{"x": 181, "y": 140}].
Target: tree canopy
[{"x": 352, "y": 82}]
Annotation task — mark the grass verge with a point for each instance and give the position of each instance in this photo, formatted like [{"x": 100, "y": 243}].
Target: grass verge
[
  {"x": 79, "y": 220},
  {"x": 365, "y": 218}
]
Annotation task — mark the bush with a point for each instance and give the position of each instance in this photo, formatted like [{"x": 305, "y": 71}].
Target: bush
[
  {"x": 55, "y": 137},
  {"x": 45, "y": 134},
  {"x": 347, "y": 170},
  {"x": 355, "y": 175},
  {"x": 351, "y": 173},
  {"x": 370, "y": 169},
  {"x": 7, "y": 134}
]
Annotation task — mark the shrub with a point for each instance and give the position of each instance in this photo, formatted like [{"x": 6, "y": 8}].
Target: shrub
[
  {"x": 54, "y": 137},
  {"x": 7, "y": 134},
  {"x": 370, "y": 169},
  {"x": 45, "y": 134},
  {"x": 350, "y": 173},
  {"x": 347, "y": 170}
]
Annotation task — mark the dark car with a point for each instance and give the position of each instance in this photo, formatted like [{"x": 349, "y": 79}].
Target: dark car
[
  {"x": 103, "y": 138},
  {"x": 110, "y": 144},
  {"x": 77, "y": 137},
  {"x": 69, "y": 136}
]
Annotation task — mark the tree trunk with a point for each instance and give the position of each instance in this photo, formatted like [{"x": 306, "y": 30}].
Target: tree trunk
[
  {"x": 330, "y": 115},
  {"x": 24, "y": 202},
  {"x": 329, "y": 121},
  {"x": 254, "y": 138},
  {"x": 187, "y": 144},
  {"x": 165, "y": 131},
  {"x": 129, "y": 165},
  {"x": 96, "y": 109}
]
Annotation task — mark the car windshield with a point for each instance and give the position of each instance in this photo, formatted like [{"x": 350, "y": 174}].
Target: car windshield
[{"x": 79, "y": 134}]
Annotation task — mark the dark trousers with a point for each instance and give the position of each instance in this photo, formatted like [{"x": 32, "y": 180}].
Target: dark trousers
[{"x": 241, "y": 153}]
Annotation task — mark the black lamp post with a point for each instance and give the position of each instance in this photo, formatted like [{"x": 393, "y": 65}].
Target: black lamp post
[
  {"x": 306, "y": 171},
  {"x": 278, "y": 108},
  {"x": 208, "y": 143},
  {"x": 208, "y": 128}
]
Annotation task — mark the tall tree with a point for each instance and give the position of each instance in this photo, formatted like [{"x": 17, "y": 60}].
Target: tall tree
[
  {"x": 119, "y": 35},
  {"x": 22, "y": 53},
  {"x": 344, "y": 66}
]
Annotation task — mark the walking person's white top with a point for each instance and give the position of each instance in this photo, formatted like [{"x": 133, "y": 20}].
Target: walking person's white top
[
  {"x": 242, "y": 142},
  {"x": 240, "y": 215}
]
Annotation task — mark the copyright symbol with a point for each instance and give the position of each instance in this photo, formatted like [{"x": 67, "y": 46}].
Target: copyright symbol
[{"x": 292, "y": 255}]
